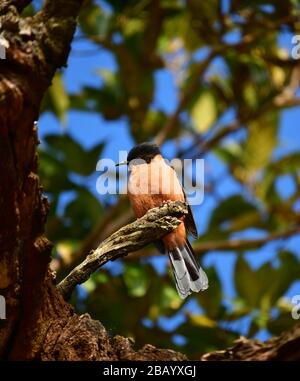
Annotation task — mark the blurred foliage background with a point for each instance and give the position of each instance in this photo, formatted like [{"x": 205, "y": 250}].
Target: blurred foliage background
[{"x": 205, "y": 79}]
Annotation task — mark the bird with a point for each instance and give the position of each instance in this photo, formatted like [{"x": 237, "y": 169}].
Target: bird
[{"x": 151, "y": 183}]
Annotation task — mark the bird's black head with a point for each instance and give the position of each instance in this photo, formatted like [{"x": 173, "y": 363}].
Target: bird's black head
[{"x": 144, "y": 151}]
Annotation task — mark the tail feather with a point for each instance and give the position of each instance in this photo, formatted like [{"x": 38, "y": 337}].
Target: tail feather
[{"x": 189, "y": 276}]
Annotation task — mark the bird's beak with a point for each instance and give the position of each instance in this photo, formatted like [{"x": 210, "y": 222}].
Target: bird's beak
[{"x": 125, "y": 162}]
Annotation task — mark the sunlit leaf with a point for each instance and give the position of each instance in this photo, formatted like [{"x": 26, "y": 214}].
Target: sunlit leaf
[
  {"x": 278, "y": 76},
  {"x": 133, "y": 26},
  {"x": 59, "y": 99},
  {"x": 203, "y": 321},
  {"x": 136, "y": 280},
  {"x": 259, "y": 146},
  {"x": 204, "y": 112},
  {"x": 170, "y": 298},
  {"x": 250, "y": 96}
]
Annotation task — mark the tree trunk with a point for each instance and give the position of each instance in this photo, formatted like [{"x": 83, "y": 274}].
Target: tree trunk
[
  {"x": 40, "y": 324},
  {"x": 35, "y": 48}
]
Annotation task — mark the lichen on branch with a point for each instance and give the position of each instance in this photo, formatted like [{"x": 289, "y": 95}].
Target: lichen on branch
[{"x": 151, "y": 227}]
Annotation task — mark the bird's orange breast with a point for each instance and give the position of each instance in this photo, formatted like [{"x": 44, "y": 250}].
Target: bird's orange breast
[{"x": 149, "y": 186}]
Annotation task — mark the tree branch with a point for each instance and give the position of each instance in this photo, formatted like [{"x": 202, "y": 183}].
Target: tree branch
[
  {"x": 115, "y": 218},
  {"x": 201, "y": 248},
  {"x": 154, "y": 225},
  {"x": 209, "y": 144},
  {"x": 39, "y": 44},
  {"x": 285, "y": 347},
  {"x": 239, "y": 244}
]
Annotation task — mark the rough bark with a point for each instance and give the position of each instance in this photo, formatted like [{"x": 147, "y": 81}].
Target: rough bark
[
  {"x": 81, "y": 338},
  {"x": 285, "y": 347},
  {"x": 40, "y": 324},
  {"x": 35, "y": 48}
]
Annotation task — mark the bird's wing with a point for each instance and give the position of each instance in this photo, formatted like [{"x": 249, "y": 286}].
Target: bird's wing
[{"x": 189, "y": 221}]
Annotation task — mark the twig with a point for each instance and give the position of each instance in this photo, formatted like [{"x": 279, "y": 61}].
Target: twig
[
  {"x": 286, "y": 98},
  {"x": 201, "y": 248},
  {"x": 239, "y": 244},
  {"x": 186, "y": 98},
  {"x": 103, "y": 229},
  {"x": 115, "y": 217},
  {"x": 206, "y": 145},
  {"x": 154, "y": 225}
]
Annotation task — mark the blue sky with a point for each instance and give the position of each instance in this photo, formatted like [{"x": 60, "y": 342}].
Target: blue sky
[{"x": 89, "y": 129}]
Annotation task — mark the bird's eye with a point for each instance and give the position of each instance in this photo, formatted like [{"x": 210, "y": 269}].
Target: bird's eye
[{"x": 137, "y": 161}]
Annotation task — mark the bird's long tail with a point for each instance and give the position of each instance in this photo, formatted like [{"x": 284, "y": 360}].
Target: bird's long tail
[{"x": 189, "y": 276}]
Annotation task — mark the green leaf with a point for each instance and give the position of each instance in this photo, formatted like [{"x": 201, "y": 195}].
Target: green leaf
[
  {"x": 111, "y": 99},
  {"x": 53, "y": 174},
  {"x": 253, "y": 329},
  {"x": 99, "y": 277},
  {"x": 282, "y": 323},
  {"x": 133, "y": 26},
  {"x": 203, "y": 321},
  {"x": 278, "y": 75},
  {"x": 177, "y": 28},
  {"x": 202, "y": 338},
  {"x": 284, "y": 275},
  {"x": 263, "y": 288},
  {"x": 287, "y": 164},
  {"x": 94, "y": 21},
  {"x": 28, "y": 11},
  {"x": 246, "y": 283},
  {"x": 262, "y": 138},
  {"x": 265, "y": 277},
  {"x": 211, "y": 299},
  {"x": 169, "y": 298},
  {"x": 84, "y": 212},
  {"x": 249, "y": 93},
  {"x": 136, "y": 279},
  {"x": 73, "y": 155},
  {"x": 204, "y": 111},
  {"x": 229, "y": 209},
  {"x": 122, "y": 6},
  {"x": 153, "y": 123},
  {"x": 230, "y": 154},
  {"x": 59, "y": 99}
]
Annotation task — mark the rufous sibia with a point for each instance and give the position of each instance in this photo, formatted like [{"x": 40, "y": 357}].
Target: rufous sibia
[{"x": 151, "y": 183}]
